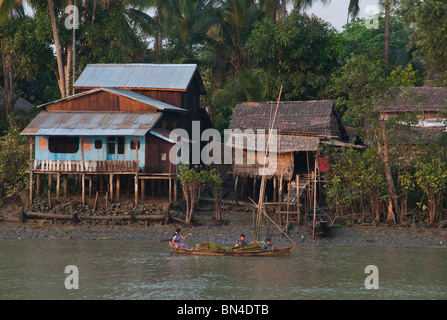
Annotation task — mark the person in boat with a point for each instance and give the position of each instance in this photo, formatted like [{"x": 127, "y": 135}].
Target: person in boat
[
  {"x": 177, "y": 240},
  {"x": 241, "y": 242},
  {"x": 269, "y": 245}
]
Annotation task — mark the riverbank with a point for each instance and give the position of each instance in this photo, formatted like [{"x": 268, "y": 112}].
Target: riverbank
[{"x": 237, "y": 221}]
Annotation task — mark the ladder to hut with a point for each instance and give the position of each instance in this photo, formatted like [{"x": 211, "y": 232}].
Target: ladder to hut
[{"x": 289, "y": 212}]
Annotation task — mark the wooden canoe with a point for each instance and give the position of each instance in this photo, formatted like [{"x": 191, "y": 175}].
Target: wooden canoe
[{"x": 277, "y": 252}]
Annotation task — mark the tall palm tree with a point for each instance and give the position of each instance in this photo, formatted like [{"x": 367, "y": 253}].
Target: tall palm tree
[
  {"x": 387, "y": 6},
  {"x": 133, "y": 17},
  {"x": 163, "y": 9},
  {"x": 188, "y": 22},
  {"x": 231, "y": 22},
  {"x": 6, "y": 8}
]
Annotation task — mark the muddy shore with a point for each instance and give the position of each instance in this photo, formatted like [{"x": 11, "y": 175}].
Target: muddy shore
[{"x": 237, "y": 221}]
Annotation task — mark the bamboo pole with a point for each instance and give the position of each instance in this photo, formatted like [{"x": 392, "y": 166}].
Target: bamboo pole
[{"x": 263, "y": 178}]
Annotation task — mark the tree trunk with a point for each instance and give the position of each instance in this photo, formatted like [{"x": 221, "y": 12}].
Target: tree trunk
[
  {"x": 68, "y": 70},
  {"x": 159, "y": 36},
  {"x": 434, "y": 208},
  {"x": 387, "y": 33},
  {"x": 217, "y": 203},
  {"x": 8, "y": 87},
  {"x": 383, "y": 151},
  {"x": 60, "y": 62},
  {"x": 283, "y": 9}
]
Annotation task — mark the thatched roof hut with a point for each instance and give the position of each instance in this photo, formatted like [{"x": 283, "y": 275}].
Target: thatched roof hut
[{"x": 301, "y": 127}]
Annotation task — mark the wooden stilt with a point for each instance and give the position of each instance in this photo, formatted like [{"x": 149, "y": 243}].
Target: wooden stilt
[
  {"x": 90, "y": 186},
  {"x": 83, "y": 188},
  {"x": 111, "y": 186},
  {"x": 31, "y": 169},
  {"x": 58, "y": 186},
  {"x": 235, "y": 190},
  {"x": 118, "y": 182},
  {"x": 143, "y": 189},
  {"x": 298, "y": 198},
  {"x": 280, "y": 188},
  {"x": 243, "y": 187},
  {"x": 254, "y": 188},
  {"x": 49, "y": 199},
  {"x": 136, "y": 189},
  {"x": 170, "y": 189},
  {"x": 96, "y": 201},
  {"x": 101, "y": 183},
  {"x": 175, "y": 188},
  {"x": 65, "y": 185},
  {"x": 31, "y": 186},
  {"x": 137, "y": 169},
  {"x": 38, "y": 184},
  {"x": 275, "y": 188},
  {"x": 49, "y": 182},
  {"x": 153, "y": 188}
]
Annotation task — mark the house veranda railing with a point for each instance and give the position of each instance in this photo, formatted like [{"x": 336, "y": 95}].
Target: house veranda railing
[{"x": 109, "y": 166}]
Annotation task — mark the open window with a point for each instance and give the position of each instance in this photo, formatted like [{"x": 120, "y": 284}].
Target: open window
[{"x": 63, "y": 144}]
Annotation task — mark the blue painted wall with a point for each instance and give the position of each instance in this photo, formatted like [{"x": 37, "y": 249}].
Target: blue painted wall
[{"x": 93, "y": 154}]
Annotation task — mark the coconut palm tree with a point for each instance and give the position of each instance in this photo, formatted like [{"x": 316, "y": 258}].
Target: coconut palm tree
[
  {"x": 387, "y": 6},
  {"x": 131, "y": 17}
]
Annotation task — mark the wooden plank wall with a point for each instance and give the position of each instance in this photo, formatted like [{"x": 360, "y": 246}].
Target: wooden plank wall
[{"x": 101, "y": 101}]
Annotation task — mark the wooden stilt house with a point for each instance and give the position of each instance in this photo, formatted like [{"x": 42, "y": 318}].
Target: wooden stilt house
[
  {"x": 301, "y": 127},
  {"x": 118, "y": 125}
]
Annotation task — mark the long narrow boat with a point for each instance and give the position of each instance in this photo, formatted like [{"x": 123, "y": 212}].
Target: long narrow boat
[{"x": 277, "y": 252}]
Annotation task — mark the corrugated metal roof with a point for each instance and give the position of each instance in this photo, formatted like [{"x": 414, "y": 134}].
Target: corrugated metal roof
[
  {"x": 91, "y": 124},
  {"x": 138, "y": 76},
  {"x": 125, "y": 93}
]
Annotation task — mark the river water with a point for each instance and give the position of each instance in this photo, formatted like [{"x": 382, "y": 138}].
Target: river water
[{"x": 140, "y": 270}]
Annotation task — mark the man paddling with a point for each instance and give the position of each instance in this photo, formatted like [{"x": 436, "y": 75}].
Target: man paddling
[{"x": 178, "y": 239}]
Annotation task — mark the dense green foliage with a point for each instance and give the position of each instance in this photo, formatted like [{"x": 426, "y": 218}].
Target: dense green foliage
[{"x": 246, "y": 51}]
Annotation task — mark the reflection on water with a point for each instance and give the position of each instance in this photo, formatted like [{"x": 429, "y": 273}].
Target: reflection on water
[{"x": 138, "y": 270}]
